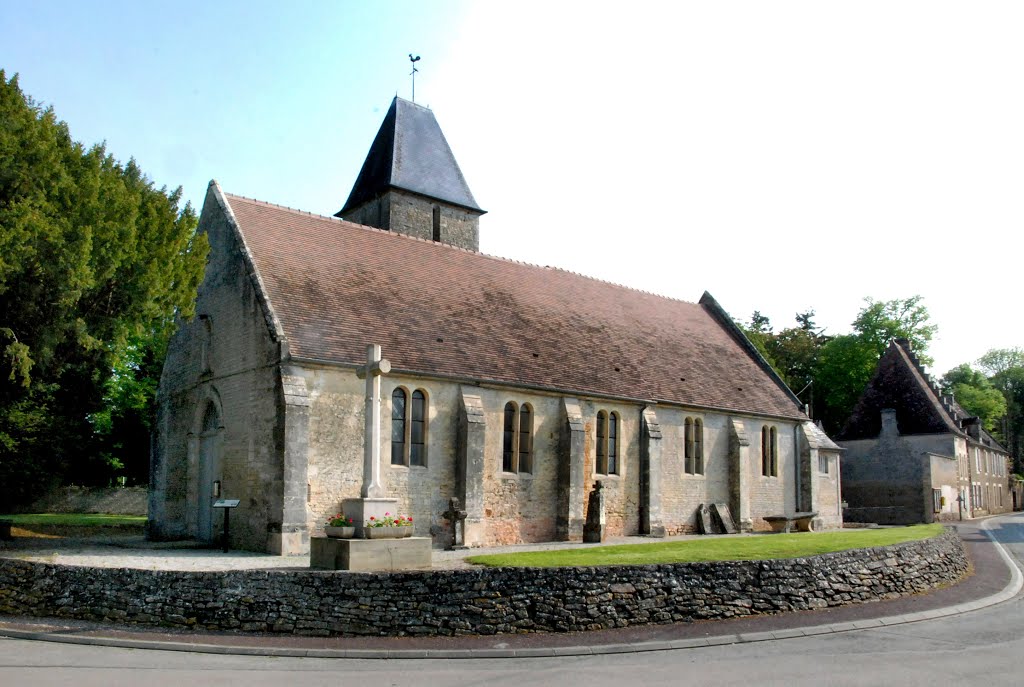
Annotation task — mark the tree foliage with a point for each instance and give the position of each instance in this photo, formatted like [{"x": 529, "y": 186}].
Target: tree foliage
[
  {"x": 829, "y": 373},
  {"x": 93, "y": 261},
  {"x": 1005, "y": 367},
  {"x": 879, "y": 322},
  {"x": 976, "y": 394}
]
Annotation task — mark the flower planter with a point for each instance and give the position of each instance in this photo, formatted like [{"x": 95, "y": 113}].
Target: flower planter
[
  {"x": 387, "y": 532},
  {"x": 340, "y": 532}
]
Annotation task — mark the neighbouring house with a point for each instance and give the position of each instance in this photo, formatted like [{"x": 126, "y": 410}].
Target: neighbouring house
[
  {"x": 915, "y": 455},
  {"x": 512, "y": 387}
]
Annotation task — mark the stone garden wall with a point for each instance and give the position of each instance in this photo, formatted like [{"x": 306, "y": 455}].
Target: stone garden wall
[
  {"x": 73, "y": 499},
  {"x": 479, "y": 601}
]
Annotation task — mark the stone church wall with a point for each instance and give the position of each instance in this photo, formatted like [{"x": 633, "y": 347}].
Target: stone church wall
[
  {"x": 375, "y": 213},
  {"x": 223, "y": 356},
  {"x": 524, "y": 506},
  {"x": 621, "y": 491},
  {"x": 413, "y": 215},
  {"x": 772, "y": 495},
  {"x": 683, "y": 493},
  {"x": 829, "y": 497},
  {"x": 518, "y": 507}
]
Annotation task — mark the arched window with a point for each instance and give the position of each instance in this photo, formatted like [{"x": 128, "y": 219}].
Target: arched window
[
  {"x": 517, "y": 438},
  {"x": 409, "y": 428},
  {"x": 698, "y": 446},
  {"x": 508, "y": 453},
  {"x": 398, "y": 427},
  {"x": 206, "y": 344},
  {"x": 211, "y": 421},
  {"x": 693, "y": 441},
  {"x": 769, "y": 452},
  {"x": 613, "y": 443},
  {"x": 607, "y": 458},
  {"x": 525, "y": 439},
  {"x": 417, "y": 444}
]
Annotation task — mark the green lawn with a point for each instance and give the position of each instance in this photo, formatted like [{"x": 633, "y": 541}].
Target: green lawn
[
  {"x": 75, "y": 519},
  {"x": 762, "y": 547}
]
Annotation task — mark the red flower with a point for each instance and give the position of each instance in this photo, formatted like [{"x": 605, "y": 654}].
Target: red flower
[
  {"x": 372, "y": 518},
  {"x": 409, "y": 518}
]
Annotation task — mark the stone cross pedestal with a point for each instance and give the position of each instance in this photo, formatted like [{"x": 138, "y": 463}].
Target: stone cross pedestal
[
  {"x": 457, "y": 517},
  {"x": 373, "y": 502}
]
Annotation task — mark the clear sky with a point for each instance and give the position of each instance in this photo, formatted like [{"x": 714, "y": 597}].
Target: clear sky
[{"x": 784, "y": 156}]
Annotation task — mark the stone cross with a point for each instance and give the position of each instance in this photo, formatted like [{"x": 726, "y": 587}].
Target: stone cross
[
  {"x": 371, "y": 372},
  {"x": 456, "y": 515},
  {"x": 593, "y": 531}
]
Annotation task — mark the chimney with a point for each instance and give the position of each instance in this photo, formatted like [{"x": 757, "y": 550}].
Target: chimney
[
  {"x": 973, "y": 427},
  {"x": 889, "y": 427}
]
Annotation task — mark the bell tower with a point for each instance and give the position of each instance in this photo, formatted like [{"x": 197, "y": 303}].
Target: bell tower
[{"x": 411, "y": 184}]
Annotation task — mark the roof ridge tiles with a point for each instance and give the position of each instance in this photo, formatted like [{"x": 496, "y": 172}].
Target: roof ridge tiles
[
  {"x": 617, "y": 284},
  {"x": 449, "y": 246}
]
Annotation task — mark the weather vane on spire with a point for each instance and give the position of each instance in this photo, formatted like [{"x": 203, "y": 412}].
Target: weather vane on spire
[{"x": 414, "y": 60}]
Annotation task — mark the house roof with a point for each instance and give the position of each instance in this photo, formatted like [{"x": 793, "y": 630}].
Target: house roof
[
  {"x": 902, "y": 384},
  {"x": 818, "y": 439},
  {"x": 439, "y": 310},
  {"x": 410, "y": 153}
]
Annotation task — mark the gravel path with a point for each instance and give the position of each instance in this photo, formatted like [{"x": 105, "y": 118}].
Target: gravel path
[{"x": 133, "y": 551}]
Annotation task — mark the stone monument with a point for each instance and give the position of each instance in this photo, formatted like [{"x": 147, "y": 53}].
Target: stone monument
[
  {"x": 593, "y": 531},
  {"x": 457, "y": 517},
  {"x": 372, "y": 502}
]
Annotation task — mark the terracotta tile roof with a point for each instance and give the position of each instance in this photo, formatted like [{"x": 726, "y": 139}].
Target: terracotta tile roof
[{"x": 440, "y": 310}]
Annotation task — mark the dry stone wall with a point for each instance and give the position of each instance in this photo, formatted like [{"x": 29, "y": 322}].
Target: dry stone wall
[
  {"x": 75, "y": 499},
  {"x": 484, "y": 601}
]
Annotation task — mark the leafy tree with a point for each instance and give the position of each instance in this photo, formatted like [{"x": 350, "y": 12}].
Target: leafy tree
[
  {"x": 1005, "y": 367},
  {"x": 831, "y": 372},
  {"x": 845, "y": 367},
  {"x": 92, "y": 259},
  {"x": 881, "y": 321},
  {"x": 1000, "y": 360},
  {"x": 759, "y": 333},
  {"x": 975, "y": 393},
  {"x": 760, "y": 323},
  {"x": 795, "y": 351}
]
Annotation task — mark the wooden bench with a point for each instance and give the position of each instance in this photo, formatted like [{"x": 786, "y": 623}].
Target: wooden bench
[{"x": 784, "y": 523}]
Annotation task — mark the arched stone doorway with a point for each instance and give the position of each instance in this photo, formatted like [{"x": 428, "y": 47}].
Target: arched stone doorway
[{"x": 210, "y": 463}]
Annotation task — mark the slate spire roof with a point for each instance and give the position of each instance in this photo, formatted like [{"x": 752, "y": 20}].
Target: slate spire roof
[
  {"x": 332, "y": 287},
  {"x": 410, "y": 153}
]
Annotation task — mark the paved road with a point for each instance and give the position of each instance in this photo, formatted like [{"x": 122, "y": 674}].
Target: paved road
[{"x": 982, "y": 647}]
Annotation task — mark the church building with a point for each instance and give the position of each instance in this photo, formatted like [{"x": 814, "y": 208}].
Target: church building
[{"x": 512, "y": 387}]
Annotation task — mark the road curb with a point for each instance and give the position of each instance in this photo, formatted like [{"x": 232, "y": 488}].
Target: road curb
[{"x": 1012, "y": 588}]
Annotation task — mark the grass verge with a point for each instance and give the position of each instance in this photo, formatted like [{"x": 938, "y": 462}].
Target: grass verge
[
  {"x": 753, "y": 548},
  {"x": 75, "y": 519}
]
